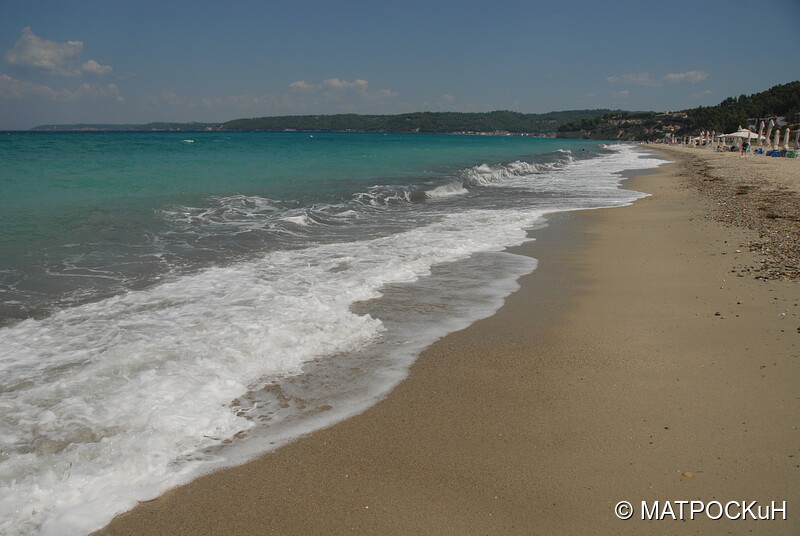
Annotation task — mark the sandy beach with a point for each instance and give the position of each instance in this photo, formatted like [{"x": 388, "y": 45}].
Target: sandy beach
[{"x": 654, "y": 355}]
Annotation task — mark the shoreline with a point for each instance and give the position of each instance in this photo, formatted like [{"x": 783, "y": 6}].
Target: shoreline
[{"x": 608, "y": 376}]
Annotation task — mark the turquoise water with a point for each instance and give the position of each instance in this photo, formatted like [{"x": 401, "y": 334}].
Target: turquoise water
[
  {"x": 174, "y": 303},
  {"x": 88, "y": 215},
  {"x": 76, "y": 168}
]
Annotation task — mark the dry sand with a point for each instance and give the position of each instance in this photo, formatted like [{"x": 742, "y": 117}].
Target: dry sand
[
  {"x": 633, "y": 365},
  {"x": 756, "y": 192}
]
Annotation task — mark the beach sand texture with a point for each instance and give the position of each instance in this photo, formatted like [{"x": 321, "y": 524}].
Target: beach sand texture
[{"x": 651, "y": 356}]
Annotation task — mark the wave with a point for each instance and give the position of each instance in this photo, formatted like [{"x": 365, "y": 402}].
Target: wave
[
  {"x": 251, "y": 211},
  {"x": 129, "y": 391},
  {"x": 223, "y": 209},
  {"x": 449, "y": 189},
  {"x": 506, "y": 174}
]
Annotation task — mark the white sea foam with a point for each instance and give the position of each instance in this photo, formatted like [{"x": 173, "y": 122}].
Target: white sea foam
[
  {"x": 112, "y": 402},
  {"x": 485, "y": 175},
  {"x": 301, "y": 219},
  {"x": 449, "y": 189},
  {"x": 109, "y": 402}
]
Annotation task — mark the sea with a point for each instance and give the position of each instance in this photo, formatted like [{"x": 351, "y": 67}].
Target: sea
[{"x": 174, "y": 303}]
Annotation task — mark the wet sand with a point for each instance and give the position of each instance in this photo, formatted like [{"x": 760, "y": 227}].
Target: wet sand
[{"x": 633, "y": 364}]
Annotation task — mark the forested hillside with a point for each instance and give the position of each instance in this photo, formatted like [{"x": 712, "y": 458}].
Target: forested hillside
[{"x": 431, "y": 122}]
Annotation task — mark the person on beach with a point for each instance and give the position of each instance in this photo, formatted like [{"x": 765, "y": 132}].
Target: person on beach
[{"x": 745, "y": 147}]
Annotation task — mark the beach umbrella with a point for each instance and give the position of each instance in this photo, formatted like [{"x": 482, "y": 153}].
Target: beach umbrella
[
  {"x": 769, "y": 130},
  {"x": 786, "y": 139},
  {"x": 760, "y": 132},
  {"x": 742, "y": 133},
  {"x": 797, "y": 139},
  {"x": 776, "y": 140}
]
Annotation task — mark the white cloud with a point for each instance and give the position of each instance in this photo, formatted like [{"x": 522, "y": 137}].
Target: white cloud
[
  {"x": 93, "y": 67},
  {"x": 31, "y": 51},
  {"x": 302, "y": 85},
  {"x": 689, "y": 76},
  {"x": 51, "y": 57},
  {"x": 647, "y": 79},
  {"x": 624, "y": 94},
  {"x": 335, "y": 89},
  {"x": 336, "y": 84},
  {"x": 328, "y": 96},
  {"x": 13, "y": 89},
  {"x": 95, "y": 92}
]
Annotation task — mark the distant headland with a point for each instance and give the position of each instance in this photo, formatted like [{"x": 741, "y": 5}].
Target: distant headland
[{"x": 782, "y": 101}]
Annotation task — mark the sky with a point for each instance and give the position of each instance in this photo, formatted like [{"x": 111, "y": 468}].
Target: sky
[{"x": 120, "y": 61}]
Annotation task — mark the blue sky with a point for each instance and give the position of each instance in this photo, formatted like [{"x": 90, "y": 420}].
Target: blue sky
[{"x": 119, "y": 61}]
